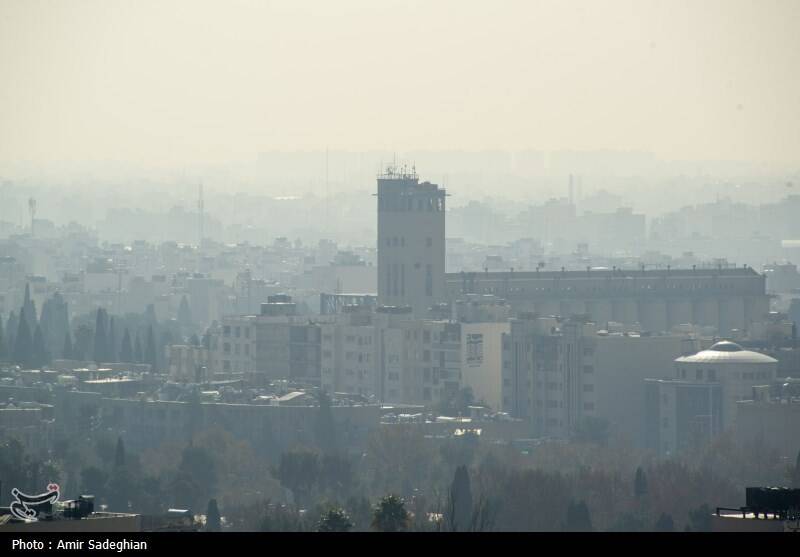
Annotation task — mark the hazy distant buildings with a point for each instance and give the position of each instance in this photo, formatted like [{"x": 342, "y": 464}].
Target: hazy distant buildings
[
  {"x": 346, "y": 273},
  {"x": 722, "y": 298},
  {"x": 772, "y": 420},
  {"x": 188, "y": 364},
  {"x": 276, "y": 344}
]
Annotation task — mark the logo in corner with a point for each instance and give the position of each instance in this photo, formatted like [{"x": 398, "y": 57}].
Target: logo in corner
[{"x": 25, "y": 505}]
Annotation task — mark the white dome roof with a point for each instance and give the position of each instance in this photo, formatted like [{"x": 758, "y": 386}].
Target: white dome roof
[{"x": 726, "y": 351}]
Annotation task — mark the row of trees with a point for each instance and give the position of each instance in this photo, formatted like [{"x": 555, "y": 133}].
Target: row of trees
[
  {"x": 309, "y": 489},
  {"x": 437, "y": 485},
  {"x": 33, "y": 342}
]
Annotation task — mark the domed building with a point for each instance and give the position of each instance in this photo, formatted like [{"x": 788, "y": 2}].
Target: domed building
[
  {"x": 700, "y": 402},
  {"x": 735, "y": 369}
]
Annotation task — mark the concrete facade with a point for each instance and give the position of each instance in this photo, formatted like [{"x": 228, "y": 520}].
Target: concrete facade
[
  {"x": 411, "y": 248},
  {"x": 723, "y": 298}
]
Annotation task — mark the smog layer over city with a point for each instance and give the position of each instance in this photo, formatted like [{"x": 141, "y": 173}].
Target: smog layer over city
[{"x": 398, "y": 266}]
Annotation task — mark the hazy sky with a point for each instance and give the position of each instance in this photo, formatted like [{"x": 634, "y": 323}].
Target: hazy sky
[{"x": 175, "y": 82}]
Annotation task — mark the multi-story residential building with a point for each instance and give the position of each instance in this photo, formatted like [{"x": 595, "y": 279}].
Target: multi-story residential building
[
  {"x": 287, "y": 345},
  {"x": 482, "y": 363},
  {"x": 233, "y": 345},
  {"x": 619, "y": 363},
  {"x": 277, "y": 344},
  {"x": 349, "y": 353},
  {"x": 545, "y": 376},
  {"x": 188, "y": 363}
]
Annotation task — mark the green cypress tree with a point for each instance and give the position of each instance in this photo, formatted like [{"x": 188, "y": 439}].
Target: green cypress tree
[
  {"x": 138, "y": 355},
  {"x": 29, "y": 309},
  {"x": 100, "y": 353},
  {"x": 112, "y": 342},
  {"x": 390, "y": 515},
  {"x": 213, "y": 519},
  {"x": 151, "y": 354},
  {"x": 119, "y": 455},
  {"x": 81, "y": 348},
  {"x": 23, "y": 345},
  {"x": 12, "y": 325},
  {"x": 66, "y": 350},
  {"x": 55, "y": 323},
  {"x": 460, "y": 504},
  {"x": 126, "y": 350},
  {"x": 39, "y": 356},
  {"x": 664, "y": 523},
  {"x": 640, "y": 483},
  {"x": 184, "y": 314},
  {"x": 578, "y": 517}
]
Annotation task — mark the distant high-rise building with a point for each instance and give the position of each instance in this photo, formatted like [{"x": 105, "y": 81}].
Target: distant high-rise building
[{"x": 411, "y": 251}]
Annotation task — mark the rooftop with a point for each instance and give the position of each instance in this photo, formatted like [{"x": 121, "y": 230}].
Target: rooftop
[{"x": 727, "y": 352}]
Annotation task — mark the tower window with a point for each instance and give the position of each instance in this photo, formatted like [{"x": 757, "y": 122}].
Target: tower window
[{"x": 429, "y": 280}]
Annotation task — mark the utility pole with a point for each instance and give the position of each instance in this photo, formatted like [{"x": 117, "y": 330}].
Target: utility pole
[
  {"x": 32, "y": 211},
  {"x": 200, "y": 211}
]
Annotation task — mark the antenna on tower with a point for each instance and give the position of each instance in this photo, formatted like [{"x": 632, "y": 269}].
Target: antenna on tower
[
  {"x": 200, "y": 216},
  {"x": 327, "y": 196},
  {"x": 32, "y": 211}
]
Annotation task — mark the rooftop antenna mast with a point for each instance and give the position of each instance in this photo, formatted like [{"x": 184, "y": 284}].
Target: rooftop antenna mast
[
  {"x": 327, "y": 196},
  {"x": 32, "y": 211},
  {"x": 201, "y": 214}
]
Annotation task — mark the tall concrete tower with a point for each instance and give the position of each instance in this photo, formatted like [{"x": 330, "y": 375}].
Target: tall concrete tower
[{"x": 411, "y": 254}]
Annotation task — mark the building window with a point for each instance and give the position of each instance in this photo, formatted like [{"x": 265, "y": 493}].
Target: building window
[{"x": 429, "y": 280}]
